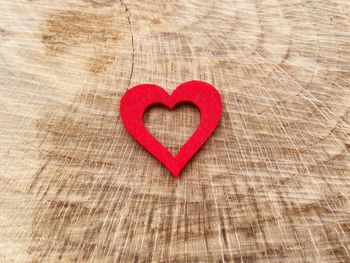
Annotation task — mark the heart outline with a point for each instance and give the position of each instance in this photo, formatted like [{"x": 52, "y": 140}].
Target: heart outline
[{"x": 138, "y": 99}]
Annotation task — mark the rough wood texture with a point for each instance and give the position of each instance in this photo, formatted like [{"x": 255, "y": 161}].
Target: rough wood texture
[{"x": 271, "y": 185}]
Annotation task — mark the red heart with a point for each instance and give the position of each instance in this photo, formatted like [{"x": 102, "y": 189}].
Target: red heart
[{"x": 136, "y": 100}]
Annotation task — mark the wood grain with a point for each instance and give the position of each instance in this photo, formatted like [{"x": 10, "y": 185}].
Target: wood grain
[{"x": 272, "y": 183}]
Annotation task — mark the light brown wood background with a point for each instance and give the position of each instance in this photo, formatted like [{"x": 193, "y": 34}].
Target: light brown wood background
[{"x": 271, "y": 185}]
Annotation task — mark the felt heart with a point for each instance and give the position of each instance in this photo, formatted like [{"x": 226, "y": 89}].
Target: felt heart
[{"x": 138, "y": 99}]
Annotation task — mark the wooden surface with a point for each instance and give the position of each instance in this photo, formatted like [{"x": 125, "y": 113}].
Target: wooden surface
[{"x": 271, "y": 185}]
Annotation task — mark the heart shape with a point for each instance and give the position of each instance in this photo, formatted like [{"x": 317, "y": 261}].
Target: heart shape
[{"x": 138, "y": 99}]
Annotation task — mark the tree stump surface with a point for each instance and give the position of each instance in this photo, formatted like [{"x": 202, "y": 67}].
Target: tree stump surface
[{"x": 272, "y": 184}]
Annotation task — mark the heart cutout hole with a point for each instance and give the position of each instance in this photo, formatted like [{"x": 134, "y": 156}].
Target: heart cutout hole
[{"x": 172, "y": 128}]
